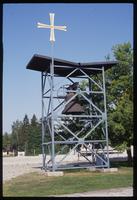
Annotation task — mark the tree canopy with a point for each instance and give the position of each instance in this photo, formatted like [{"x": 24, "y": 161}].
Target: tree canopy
[{"x": 119, "y": 87}]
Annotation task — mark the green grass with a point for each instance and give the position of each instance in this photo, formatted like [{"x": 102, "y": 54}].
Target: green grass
[{"x": 38, "y": 185}]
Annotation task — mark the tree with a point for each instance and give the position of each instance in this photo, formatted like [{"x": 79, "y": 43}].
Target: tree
[
  {"x": 119, "y": 89},
  {"x": 16, "y": 135},
  {"x": 34, "y": 120},
  {"x": 34, "y": 137},
  {"x": 25, "y": 133},
  {"x": 6, "y": 142}
]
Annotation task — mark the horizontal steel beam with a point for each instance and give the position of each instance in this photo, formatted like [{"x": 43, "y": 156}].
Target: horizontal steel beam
[
  {"x": 81, "y": 116},
  {"x": 75, "y": 142},
  {"x": 77, "y": 166}
]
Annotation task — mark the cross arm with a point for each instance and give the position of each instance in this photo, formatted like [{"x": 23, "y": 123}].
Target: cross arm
[
  {"x": 41, "y": 25},
  {"x": 62, "y": 28}
]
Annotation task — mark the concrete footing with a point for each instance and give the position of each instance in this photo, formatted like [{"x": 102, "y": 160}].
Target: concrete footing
[
  {"x": 56, "y": 173},
  {"x": 93, "y": 169},
  {"x": 109, "y": 170}
]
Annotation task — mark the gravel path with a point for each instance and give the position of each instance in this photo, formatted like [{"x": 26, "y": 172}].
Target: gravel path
[{"x": 16, "y": 166}]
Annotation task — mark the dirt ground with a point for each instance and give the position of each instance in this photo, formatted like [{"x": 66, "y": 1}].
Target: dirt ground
[{"x": 16, "y": 166}]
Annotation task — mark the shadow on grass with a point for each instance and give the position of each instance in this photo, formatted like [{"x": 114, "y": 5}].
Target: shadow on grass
[
  {"x": 120, "y": 164},
  {"x": 113, "y": 163}
]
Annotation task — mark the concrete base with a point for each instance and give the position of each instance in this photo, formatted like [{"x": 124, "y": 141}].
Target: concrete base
[
  {"x": 109, "y": 169},
  {"x": 56, "y": 173},
  {"x": 93, "y": 169}
]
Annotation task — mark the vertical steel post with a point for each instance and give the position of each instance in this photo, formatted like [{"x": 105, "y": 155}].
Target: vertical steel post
[
  {"x": 52, "y": 108},
  {"x": 42, "y": 119},
  {"x": 90, "y": 107},
  {"x": 90, "y": 86},
  {"x": 90, "y": 97},
  {"x": 105, "y": 110}
]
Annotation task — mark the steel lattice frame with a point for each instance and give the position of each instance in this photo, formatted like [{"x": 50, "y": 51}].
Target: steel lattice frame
[{"x": 94, "y": 121}]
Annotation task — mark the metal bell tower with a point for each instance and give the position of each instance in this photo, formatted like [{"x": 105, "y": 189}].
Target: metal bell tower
[{"x": 74, "y": 114}]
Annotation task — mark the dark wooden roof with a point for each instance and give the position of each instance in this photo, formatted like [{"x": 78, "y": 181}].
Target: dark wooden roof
[{"x": 64, "y": 67}]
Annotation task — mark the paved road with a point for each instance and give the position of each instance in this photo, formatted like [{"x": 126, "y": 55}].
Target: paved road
[{"x": 119, "y": 192}]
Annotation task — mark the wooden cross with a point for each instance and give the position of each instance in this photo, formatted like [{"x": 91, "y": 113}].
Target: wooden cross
[{"x": 52, "y": 27}]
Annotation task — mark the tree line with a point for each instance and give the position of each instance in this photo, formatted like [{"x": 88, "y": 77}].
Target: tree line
[
  {"x": 119, "y": 94},
  {"x": 25, "y": 136}
]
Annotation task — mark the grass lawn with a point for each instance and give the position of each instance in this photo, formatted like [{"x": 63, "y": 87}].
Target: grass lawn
[{"x": 73, "y": 181}]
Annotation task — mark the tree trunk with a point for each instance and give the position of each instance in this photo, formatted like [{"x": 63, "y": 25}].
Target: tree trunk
[{"x": 129, "y": 156}]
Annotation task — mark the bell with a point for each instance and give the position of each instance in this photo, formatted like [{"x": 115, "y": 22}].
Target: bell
[{"x": 73, "y": 107}]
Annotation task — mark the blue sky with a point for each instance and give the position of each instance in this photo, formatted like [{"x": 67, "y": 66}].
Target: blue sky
[{"x": 92, "y": 30}]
